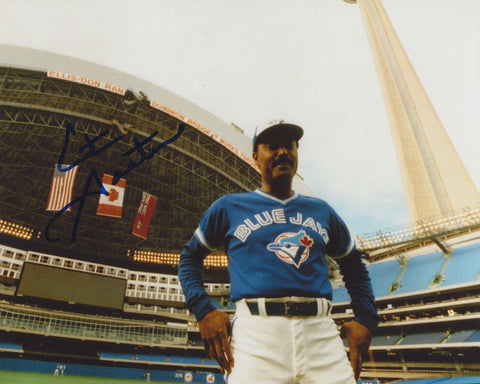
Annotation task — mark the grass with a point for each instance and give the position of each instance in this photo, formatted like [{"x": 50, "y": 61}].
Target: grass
[{"x": 17, "y": 377}]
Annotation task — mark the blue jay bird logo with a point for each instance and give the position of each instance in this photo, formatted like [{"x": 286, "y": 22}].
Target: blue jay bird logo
[{"x": 292, "y": 248}]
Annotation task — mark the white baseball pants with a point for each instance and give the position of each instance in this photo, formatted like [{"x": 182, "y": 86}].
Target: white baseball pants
[{"x": 287, "y": 350}]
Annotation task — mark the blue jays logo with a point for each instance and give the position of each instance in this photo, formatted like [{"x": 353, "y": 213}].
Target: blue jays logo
[{"x": 292, "y": 248}]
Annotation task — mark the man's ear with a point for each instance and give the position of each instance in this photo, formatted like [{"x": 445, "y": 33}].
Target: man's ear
[{"x": 255, "y": 156}]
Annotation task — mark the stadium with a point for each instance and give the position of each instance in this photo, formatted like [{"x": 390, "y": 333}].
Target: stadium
[{"x": 89, "y": 287}]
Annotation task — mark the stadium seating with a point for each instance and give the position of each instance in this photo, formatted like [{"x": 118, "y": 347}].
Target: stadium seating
[
  {"x": 385, "y": 340},
  {"x": 116, "y": 356},
  {"x": 419, "y": 272},
  {"x": 460, "y": 336},
  {"x": 151, "y": 357},
  {"x": 456, "y": 271},
  {"x": 389, "y": 271},
  {"x": 475, "y": 336},
  {"x": 185, "y": 360},
  {"x": 423, "y": 338},
  {"x": 6, "y": 345},
  {"x": 427, "y": 381},
  {"x": 400, "y": 330},
  {"x": 340, "y": 295},
  {"x": 446, "y": 380},
  {"x": 217, "y": 304},
  {"x": 211, "y": 363},
  {"x": 156, "y": 358}
]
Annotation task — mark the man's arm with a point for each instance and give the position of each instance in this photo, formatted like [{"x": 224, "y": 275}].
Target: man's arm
[
  {"x": 359, "y": 287},
  {"x": 360, "y": 331},
  {"x": 359, "y": 338},
  {"x": 215, "y": 329},
  {"x": 190, "y": 274},
  {"x": 213, "y": 324}
]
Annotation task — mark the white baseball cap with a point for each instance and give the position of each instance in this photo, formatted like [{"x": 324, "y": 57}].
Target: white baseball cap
[{"x": 277, "y": 127}]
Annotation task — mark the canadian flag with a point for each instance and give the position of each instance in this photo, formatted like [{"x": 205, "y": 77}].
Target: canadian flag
[{"x": 111, "y": 204}]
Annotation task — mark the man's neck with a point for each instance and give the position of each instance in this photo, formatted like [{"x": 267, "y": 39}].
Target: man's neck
[{"x": 281, "y": 192}]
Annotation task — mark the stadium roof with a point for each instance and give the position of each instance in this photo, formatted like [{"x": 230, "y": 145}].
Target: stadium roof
[{"x": 106, "y": 121}]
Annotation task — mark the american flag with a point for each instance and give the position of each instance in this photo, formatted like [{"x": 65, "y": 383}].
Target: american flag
[{"x": 62, "y": 188}]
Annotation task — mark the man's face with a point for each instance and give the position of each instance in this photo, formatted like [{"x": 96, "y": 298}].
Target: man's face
[{"x": 277, "y": 158}]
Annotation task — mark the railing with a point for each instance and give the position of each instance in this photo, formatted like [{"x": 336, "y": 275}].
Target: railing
[
  {"x": 54, "y": 323},
  {"x": 466, "y": 219}
]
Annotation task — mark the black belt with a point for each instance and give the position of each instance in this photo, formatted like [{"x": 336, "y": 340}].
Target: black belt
[{"x": 287, "y": 308}]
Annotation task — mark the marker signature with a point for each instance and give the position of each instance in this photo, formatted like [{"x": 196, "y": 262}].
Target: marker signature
[{"x": 90, "y": 149}]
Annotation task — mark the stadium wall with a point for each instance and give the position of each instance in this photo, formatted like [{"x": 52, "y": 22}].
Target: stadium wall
[{"x": 27, "y": 365}]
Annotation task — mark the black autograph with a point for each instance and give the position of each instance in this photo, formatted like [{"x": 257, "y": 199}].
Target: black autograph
[
  {"x": 141, "y": 151},
  {"x": 89, "y": 143},
  {"x": 93, "y": 176}
]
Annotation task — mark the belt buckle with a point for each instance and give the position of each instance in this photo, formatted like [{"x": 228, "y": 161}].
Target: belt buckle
[{"x": 287, "y": 307}]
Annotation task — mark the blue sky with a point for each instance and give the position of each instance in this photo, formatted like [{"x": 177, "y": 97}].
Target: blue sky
[{"x": 306, "y": 61}]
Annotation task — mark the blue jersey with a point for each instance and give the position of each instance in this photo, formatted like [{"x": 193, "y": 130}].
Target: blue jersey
[{"x": 275, "y": 248}]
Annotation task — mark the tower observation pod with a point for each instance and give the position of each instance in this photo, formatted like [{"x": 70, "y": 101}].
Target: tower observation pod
[{"x": 435, "y": 180}]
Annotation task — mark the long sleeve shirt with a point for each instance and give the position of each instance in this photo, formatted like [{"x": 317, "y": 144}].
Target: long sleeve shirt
[{"x": 276, "y": 248}]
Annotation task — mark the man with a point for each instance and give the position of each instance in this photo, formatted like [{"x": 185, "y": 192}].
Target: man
[{"x": 276, "y": 241}]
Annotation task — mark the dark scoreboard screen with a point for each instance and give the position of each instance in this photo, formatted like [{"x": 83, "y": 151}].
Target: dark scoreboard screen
[{"x": 47, "y": 282}]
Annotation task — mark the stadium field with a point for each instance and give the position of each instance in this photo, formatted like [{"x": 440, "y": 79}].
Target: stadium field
[{"x": 17, "y": 377}]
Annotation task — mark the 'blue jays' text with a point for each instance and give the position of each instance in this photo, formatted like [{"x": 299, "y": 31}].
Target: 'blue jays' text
[{"x": 277, "y": 216}]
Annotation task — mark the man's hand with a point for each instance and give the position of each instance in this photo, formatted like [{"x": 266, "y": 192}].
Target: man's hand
[
  {"x": 214, "y": 329},
  {"x": 359, "y": 338}
]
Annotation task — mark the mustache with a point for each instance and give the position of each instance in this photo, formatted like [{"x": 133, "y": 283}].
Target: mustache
[{"x": 284, "y": 161}]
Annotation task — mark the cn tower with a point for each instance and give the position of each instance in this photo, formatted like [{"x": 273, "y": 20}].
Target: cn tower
[{"x": 435, "y": 180}]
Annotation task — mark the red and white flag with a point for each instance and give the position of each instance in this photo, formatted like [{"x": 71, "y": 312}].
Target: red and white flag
[
  {"x": 144, "y": 215},
  {"x": 62, "y": 188},
  {"x": 112, "y": 205}
]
